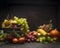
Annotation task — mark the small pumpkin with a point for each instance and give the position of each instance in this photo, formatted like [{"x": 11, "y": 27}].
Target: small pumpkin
[{"x": 54, "y": 33}]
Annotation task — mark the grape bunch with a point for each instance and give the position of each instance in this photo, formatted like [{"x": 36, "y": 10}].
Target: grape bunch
[{"x": 23, "y": 24}]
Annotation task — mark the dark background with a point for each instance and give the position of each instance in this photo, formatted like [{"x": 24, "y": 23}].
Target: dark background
[{"x": 37, "y": 12}]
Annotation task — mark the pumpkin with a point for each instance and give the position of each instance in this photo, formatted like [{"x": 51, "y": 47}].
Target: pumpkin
[
  {"x": 54, "y": 33},
  {"x": 15, "y": 40}
]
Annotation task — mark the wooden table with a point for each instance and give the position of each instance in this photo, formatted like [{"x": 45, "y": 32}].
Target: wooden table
[{"x": 32, "y": 45}]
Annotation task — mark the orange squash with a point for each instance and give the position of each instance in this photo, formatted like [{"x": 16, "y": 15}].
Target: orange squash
[{"x": 54, "y": 33}]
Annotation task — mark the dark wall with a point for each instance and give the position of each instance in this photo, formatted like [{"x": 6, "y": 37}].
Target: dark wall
[
  {"x": 36, "y": 15},
  {"x": 58, "y": 16},
  {"x": 37, "y": 12}
]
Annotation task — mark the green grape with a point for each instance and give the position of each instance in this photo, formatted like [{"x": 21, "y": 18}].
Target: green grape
[
  {"x": 24, "y": 24},
  {"x": 28, "y": 30},
  {"x": 16, "y": 18},
  {"x": 22, "y": 28},
  {"x": 19, "y": 22}
]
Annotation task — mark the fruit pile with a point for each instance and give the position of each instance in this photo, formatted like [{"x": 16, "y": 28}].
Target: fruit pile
[
  {"x": 43, "y": 34},
  {"x": 47, "y": 35},
  {"x": 16, "y": 23},
  {"x": 39, "y": 36}
]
